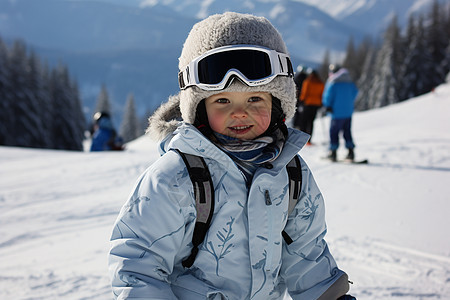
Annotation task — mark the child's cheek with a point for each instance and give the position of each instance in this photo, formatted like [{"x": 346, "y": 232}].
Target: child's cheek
[
  {"x": 262, "y": 116},
  {"x": 216, "y": 121}
]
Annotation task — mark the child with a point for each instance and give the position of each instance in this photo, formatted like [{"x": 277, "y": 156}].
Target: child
[{"x": 236, "y": 91}]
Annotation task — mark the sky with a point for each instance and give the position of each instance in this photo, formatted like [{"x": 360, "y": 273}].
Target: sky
[{"x": 387, "y": 221}]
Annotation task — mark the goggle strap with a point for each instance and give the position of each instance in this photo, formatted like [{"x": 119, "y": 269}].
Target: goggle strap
[
  {"x": 285, "y": 68},
  {"x": 184, "y": 79},
  {"x": 281, "y": 64},
  {"x": 181, "y": 80}
]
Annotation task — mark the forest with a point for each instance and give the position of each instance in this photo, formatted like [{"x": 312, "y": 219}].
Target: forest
[
  {"x": 401, "y": 65},
  {"x": 40, "y": 106}
]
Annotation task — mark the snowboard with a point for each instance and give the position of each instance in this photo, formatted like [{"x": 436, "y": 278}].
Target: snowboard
[{"x": 347, "y": 161}]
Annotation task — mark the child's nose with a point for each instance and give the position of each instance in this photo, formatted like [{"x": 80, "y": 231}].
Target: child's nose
[{"x": 239, "y": 113}]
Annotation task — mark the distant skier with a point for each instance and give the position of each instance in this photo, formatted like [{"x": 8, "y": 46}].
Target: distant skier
[
  {"x": 104, "y": 136},
  {"x": 339, "y": 98},
  {"x": 299, "y": 77},
  {"x": 311, "y": 98}
]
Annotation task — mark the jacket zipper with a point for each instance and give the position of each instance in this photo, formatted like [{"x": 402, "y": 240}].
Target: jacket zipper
[{"x": 270, "y": 230}]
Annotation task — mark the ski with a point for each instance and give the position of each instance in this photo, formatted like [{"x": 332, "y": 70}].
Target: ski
[{"x": 354, "y": 162}]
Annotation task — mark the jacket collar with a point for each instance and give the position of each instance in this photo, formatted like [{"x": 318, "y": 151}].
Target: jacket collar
[{"x": 188, "y": 139}]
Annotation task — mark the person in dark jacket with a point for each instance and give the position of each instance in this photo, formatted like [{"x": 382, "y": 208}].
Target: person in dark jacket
[
  {"x": 311, "y": 98},
  {"x": 339, "y": 98},
  {"x": 104, "y": 137},
  {"x": 299, "y": 77}
]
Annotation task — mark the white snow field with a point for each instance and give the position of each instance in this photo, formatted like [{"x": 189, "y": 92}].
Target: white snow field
[{"x": 388, "y": 221}]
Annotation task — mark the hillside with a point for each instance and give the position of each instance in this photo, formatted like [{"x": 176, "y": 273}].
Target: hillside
[
  {"x": 387, "y": 220},
  {"x": 133, "y": 46}
]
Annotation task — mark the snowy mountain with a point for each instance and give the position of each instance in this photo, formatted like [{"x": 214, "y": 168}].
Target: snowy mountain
[
  {"x": 387, "y": 221},
  {"x": 133, "y": 46}
]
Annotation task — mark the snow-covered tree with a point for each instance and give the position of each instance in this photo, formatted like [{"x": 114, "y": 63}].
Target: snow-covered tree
[
  {"x": 365, "y": 81},
  {"x": 143, "y": 120},
  {"x": 5, "y": 99},
  {"x": 417, "y": 64},
  {"x": 446, "y": 62},
  {"x": 129, "y": 129},
  {"x": 437, "y": 40},
  {"x": 103, "y": 103},
  {"x": 37, "y": 109},
  {"x": 323, "y": 69},
  {"x": 24, "y": 110},
  {"x": 350, "y": 62},
  {"x": 79, "y": 121},
  {"x": 66, "y": 131},
  {"x": 38, "y": 105},
  {"x": 383, "y": 90}
]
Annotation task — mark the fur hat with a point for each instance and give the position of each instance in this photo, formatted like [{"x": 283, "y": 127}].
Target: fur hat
[{"x": 216, "y": 31}]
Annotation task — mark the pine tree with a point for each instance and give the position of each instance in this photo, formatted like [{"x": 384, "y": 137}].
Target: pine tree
[
  {"x": 417, "y": 63},
  {"x": 323, "y": 69},
  {"x": 66, "y": 131},
  {"x": 103, "y": 102},
  {"x": 5, "y": 99},
  {"x": 38, "y": 104},
  {"x": 37, "y": 109},
  {"x": 437, "y": 41},
  {"x": 143, "y": 120},
  {"x": 129, "y": 129},
  {"x": 446, "y": 62},
  {"x": 21, "y": 125},
  {"x": 446, "y": 24},
  {"x": 79, "y": 125},
  {"x": 359, "y": 59},
  {"x": 365, "y": 81},
  {"x": 350, "y": 62},
  {"x": 383, "y": 90},
  {"x": 47, "y": 94}
]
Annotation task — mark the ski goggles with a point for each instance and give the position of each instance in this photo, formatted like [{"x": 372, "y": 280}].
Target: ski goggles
[{"x": 253, "y": 65}]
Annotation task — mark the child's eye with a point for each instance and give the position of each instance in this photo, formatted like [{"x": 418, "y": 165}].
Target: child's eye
[
  {"x": 254, "y": 99},
  {"x": 222, "y": 100}
]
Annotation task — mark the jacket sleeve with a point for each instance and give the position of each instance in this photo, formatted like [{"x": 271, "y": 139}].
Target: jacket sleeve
[
  {"x": 328, "y": 95},
  {"x": 309, "y": 269},
  {"x": 147, "y": 237}
]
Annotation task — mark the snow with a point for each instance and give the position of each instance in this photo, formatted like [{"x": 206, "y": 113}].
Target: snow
[{"x": 387, "y": 220}]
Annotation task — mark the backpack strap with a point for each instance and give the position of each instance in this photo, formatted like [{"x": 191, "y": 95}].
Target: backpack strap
[
  {"x": 294, "y": 170},
  {"x": 204, "y": 200},
  {"x": 204, "y": 197}
]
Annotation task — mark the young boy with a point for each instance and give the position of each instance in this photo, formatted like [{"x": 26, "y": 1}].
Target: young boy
[{"x": 236, "y": 91}]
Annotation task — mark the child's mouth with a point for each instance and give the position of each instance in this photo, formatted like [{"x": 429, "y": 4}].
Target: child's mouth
[{"x": 241, "y": 129}]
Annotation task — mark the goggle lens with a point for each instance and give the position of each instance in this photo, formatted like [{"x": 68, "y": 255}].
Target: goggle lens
[{"x": 252, "y": 64}]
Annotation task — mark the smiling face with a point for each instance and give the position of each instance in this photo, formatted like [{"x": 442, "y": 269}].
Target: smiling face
[{"x": 242, "y": 115}]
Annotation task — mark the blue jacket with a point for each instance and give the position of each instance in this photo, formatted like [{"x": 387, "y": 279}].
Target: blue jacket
[
  {"x": 339, "y": 95},
  {"x": 243, "y": 255},
  {"x": 103, "y": 137}
]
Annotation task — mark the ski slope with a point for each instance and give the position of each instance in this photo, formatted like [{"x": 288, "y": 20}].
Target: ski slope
[{"x": 387, "y": 220}]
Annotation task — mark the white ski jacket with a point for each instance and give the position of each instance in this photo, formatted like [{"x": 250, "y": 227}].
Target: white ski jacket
[{"x": 243, "y": 255}]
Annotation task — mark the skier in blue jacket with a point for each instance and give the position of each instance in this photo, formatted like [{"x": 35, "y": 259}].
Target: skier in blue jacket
[
  {"x": 338, "y": 99},
  {"x": 104, "y": 133},
  {"x": 231, "y": 112},
  {"x": 104, "y": 136}
]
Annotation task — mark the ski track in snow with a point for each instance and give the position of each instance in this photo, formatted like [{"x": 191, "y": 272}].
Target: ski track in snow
[
  {"x": 387, "y": 271},
  {"x": 387, "y": 220}
]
